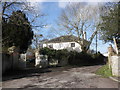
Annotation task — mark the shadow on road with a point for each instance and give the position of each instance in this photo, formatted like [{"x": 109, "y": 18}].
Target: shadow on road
[{"x": 17, "y": 74}]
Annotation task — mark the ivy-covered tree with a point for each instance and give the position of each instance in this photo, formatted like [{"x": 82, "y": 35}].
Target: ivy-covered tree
[
  {"x": 17, "y": 30},
  {"x": 109, "y": 26}
]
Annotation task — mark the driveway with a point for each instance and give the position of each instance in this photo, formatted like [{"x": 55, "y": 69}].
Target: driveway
[{"x": 61, "y": 77}]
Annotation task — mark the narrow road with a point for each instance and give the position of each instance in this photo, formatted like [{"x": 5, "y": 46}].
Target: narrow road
[{"x": 63, "y": 77}]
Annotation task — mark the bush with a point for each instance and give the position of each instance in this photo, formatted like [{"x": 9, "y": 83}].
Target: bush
[
  {"x": 99, "y": 58},
  {"x": 80, "y": 59},
  {"x": 73, "y": 57},
  {"x": 49, "y": 52},
  {"x": 59, "y": 55}
]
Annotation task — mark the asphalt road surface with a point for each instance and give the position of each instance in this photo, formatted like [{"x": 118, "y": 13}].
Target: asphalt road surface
[{"x": 60, "y": 77}]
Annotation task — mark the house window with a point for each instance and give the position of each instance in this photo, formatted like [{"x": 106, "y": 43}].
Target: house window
[
  {"x": 72, "y": 44},
  {"x": 50, "y": 46}
]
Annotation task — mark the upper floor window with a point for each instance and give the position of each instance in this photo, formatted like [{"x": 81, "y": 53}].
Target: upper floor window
[
  {"x": 72, "y": 44},
  {"x": 50, "y": 46}
]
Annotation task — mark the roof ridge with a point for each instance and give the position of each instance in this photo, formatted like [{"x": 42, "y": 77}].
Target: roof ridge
[{"x": 66, "y": 38}]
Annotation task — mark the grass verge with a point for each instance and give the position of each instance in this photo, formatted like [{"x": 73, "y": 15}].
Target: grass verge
[{"x": 104, "y": 71}]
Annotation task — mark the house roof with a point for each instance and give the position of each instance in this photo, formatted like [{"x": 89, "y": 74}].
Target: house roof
[
  {"x": 44, "y": 40},
  {"x": 67, "y": 38}
]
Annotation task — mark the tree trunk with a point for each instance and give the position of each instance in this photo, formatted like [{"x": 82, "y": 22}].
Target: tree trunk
[{"x": 84, "y": 46}]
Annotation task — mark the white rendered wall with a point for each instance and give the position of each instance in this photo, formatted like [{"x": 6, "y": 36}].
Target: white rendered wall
[
  {"x": 115, "y": 61},
  {"x": 64, "y": 45}
]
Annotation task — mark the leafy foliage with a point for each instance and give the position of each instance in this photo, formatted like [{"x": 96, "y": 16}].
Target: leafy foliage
[
  {"x": 110, "y": 22},
  {"x": 86, "y": 59},
  {"x": 54, "y": 54},
  {"x": 17, "y": 30},
  {"x": 73, "y": 57}
]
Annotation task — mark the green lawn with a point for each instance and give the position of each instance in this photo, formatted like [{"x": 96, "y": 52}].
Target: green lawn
[{"x": 104, "y": 71}]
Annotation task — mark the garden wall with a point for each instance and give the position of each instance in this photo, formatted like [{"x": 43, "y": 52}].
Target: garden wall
[
  {"x": 6, "y": 62},
  {"x": 12, "y": 62},
  {"x": 115, "y": 61}
]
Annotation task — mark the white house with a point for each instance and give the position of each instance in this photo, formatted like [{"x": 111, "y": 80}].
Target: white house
[{"x": 68, "y": 42}]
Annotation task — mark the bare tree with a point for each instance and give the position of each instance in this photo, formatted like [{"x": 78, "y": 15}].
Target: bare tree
[
  {"x": 36, "y": 40},
  {"x": 79, "y": 18}
]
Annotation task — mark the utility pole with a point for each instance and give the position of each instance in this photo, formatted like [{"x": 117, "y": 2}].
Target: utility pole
[{"x": 96, "y": 43}]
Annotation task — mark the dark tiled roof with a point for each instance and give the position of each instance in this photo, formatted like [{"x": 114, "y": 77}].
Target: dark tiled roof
[
  {"x": 67, "y": 38},
  {"x": 44, "y": 40}
]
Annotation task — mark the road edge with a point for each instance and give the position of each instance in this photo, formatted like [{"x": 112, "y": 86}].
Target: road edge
[{"x": 114, "y": 79}]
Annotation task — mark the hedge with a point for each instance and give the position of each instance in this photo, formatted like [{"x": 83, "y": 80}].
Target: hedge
[{"x": 73, "y": 57}]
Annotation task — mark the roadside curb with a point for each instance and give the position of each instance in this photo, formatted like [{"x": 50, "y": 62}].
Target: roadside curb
[{"x": 114, "y": 79}]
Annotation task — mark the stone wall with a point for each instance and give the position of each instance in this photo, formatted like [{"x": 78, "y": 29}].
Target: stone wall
[
  {"x": 9, "y": 61},
  {"x": 115, "y": 61},
  {"x": 12, "y": 62},
  {"x": 6, "y": 62}
]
